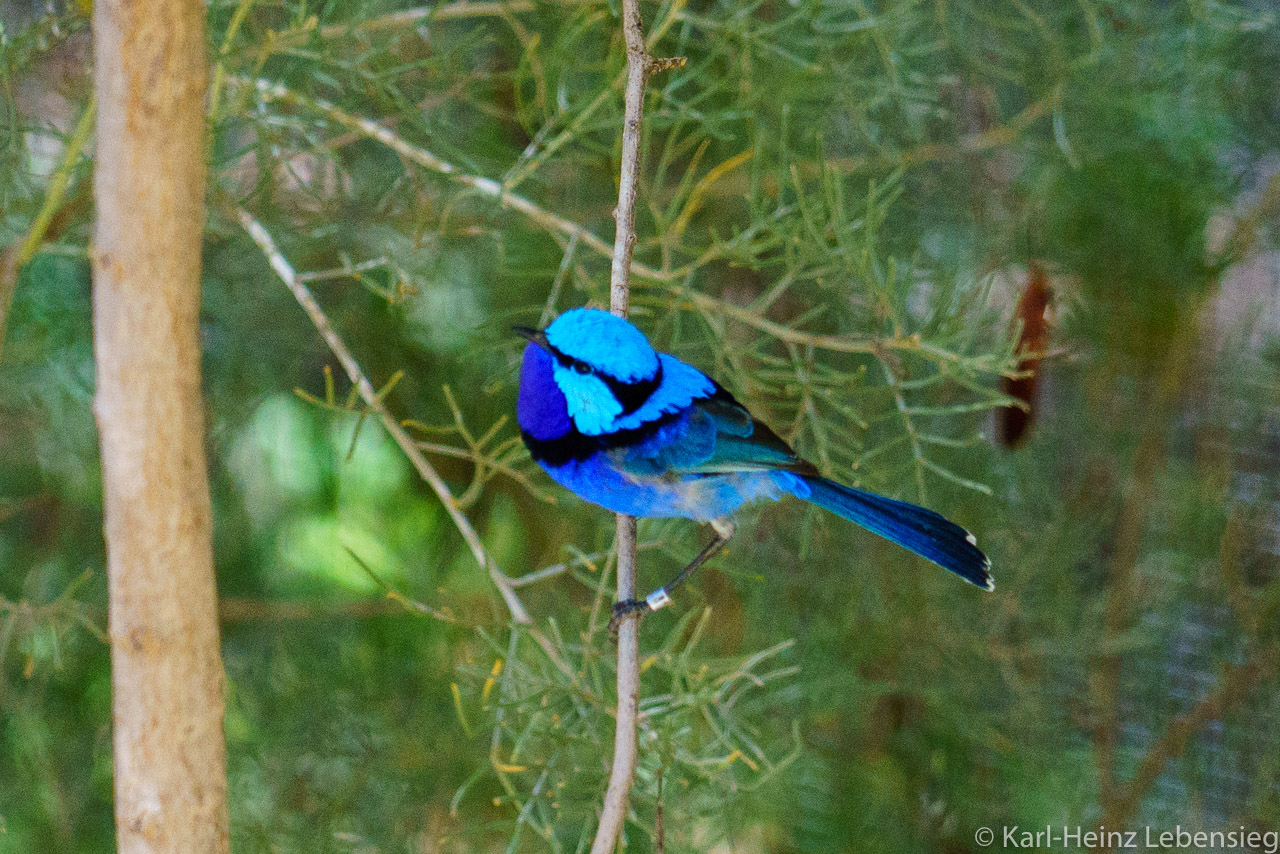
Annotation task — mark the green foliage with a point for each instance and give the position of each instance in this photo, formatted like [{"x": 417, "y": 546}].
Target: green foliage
[
  {"x": 700, "y": 730},
  {"x": 838, "y": 200}
]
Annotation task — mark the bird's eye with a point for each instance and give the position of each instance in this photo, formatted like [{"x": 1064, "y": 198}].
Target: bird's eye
[{"x": 581, "y": 367}]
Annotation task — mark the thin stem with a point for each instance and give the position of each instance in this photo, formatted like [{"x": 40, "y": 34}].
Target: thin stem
[
  {"x": 623, "y": 772},
  {"x": 588, "y": 560},
  {"x": 614, "y": 811},
  {"x": 347, "y": 271},
  {"x": 552, "y": 222}
]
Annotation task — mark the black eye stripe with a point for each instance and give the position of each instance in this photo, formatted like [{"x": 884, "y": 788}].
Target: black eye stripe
[
  {"x": 630, "y": 395},
  {"x": 564, "y": 360},
  {"x": 633, "y": 395}
]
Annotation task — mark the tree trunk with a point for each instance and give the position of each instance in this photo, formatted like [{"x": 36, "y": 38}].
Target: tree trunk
[{"x": 167, "y": 703}]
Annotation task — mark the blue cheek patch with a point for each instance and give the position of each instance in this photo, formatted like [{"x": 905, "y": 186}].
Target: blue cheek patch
[{"x": 593, "y": 407}]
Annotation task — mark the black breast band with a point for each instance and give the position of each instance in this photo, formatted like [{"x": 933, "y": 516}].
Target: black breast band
[{"x": 574, "y": 446}]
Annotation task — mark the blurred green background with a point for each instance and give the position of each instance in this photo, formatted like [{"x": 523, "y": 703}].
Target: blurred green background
[{"x": 840, "y": 203}]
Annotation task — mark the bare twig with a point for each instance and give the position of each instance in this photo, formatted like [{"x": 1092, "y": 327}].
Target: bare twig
[
  {"x": 614, "y": 812},
  {"x": 425, "y": 470},
  {"x": 624, "y": 240},
  {"x": 555, "y": 223},
  {"x": 346, "y": 271},
  {"x": 621, "y": 775},
  {"x": 587, "y": 560},
  {"x": 556, "y": 569}
]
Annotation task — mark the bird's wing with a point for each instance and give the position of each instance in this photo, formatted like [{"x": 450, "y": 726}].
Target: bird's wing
[{"x": 714, "y": 435}]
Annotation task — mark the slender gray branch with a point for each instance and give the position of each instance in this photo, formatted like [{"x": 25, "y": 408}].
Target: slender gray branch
[{"x": 614, "y": 812}]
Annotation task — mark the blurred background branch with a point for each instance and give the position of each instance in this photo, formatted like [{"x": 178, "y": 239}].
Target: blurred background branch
[{"x": 373, "y": 400}]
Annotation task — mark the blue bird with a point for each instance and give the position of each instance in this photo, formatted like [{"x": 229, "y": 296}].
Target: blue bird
[{"x": 641, "y": 432}]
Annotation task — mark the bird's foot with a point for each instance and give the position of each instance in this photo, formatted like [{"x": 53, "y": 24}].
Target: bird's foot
[
  {"x": 624, "y": 609},
  {"x": 655, "y": 600}
]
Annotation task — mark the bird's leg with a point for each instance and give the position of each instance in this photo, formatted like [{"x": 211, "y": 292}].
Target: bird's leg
[{"x": 661, "y": 597}]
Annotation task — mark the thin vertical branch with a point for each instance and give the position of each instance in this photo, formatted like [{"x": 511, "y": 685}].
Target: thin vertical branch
[
  {"x": 624, "y": 239},
  {"x": 614, "y": 812}
]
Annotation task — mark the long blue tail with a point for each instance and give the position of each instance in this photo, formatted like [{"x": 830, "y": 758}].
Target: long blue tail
[{"x": 922, "y": 531}]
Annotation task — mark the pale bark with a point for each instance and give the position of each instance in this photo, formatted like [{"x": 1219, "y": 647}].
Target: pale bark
[{"x": 167, "y": 680}]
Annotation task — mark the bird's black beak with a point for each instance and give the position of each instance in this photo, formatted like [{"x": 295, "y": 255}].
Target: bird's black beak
[{"x": 537, "y": 336}]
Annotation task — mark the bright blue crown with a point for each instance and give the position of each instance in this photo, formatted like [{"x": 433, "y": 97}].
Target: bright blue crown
[{"x": 608, "y": 344}]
